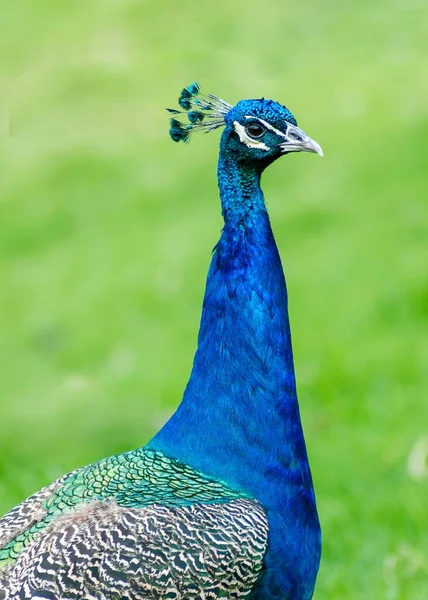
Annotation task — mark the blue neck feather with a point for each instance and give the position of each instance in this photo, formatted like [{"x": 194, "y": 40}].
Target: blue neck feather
[
  {"x": 239, "y": 419},
  {"x": 239, "y": 416}
]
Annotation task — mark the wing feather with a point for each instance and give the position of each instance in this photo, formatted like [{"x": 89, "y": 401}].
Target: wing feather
[
  {"x": 105, "y": 551},
  {"x": 26, "y": 514},
  {"x": 134, "y": 479}
]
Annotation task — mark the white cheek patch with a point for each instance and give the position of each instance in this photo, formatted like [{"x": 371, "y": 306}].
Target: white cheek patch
[{"x": 245, "y": 139}]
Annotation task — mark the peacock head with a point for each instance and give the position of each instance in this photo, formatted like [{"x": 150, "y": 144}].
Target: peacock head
[{"x": 256, "y": 131}]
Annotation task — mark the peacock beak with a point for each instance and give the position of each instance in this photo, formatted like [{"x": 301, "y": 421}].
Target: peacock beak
[{"x": 296, "y": 140}]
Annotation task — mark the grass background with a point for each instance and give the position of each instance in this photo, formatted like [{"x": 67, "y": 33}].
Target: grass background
[{"x": 106, "y": 229}]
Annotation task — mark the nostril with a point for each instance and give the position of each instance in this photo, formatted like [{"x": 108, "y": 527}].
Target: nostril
[{"x": 295, "y": 136}]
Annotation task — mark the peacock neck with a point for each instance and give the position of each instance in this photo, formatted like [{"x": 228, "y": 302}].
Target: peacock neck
[
  {"x": 241, "y": 196},
  {"x": 239, "y": 418}
]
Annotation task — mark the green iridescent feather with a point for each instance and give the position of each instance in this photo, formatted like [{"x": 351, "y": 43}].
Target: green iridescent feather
[{"x": 134, "y": 479}]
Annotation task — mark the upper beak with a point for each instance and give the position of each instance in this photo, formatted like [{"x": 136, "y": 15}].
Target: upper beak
[{"x": 296, "y": 140}]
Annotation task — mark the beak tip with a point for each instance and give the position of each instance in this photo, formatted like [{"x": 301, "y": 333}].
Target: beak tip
[{"x": 317, "y": 148}]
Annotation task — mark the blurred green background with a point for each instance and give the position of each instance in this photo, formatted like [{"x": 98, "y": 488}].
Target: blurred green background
[{"x": 106, "y": 229}]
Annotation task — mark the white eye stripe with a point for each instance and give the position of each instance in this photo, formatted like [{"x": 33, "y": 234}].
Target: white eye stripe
[
  {"x": 268, "y": 126},
  {"x": 245, "y": 139}
]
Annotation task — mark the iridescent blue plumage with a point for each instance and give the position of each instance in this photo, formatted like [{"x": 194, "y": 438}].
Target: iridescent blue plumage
[{"x": 220, "y": 503}]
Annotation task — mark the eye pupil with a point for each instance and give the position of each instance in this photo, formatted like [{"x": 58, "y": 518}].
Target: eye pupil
[{"x": 254, "y": 130}]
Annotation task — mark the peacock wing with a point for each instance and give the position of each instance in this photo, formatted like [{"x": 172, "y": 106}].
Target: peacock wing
[
  {"x": 134, "y": 479},
  {"x": 26, "y": 515},
  {"x": 105, "y": 551}
]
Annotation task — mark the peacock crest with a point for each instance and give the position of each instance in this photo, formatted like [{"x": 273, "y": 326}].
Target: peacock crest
[{"x": 205, "y": 112}]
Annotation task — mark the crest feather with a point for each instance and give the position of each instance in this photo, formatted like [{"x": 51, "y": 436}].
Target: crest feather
[{"x": 204, "y": 113}]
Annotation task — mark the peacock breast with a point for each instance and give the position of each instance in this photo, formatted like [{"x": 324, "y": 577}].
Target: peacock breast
[{"x": 293, "y": 552}]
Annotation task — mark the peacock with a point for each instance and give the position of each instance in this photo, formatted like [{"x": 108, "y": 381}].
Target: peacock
[{"x": 220, "y": 502}]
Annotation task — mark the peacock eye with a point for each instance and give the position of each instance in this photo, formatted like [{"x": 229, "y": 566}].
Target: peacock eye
[{"x": 254, "y": 130}]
